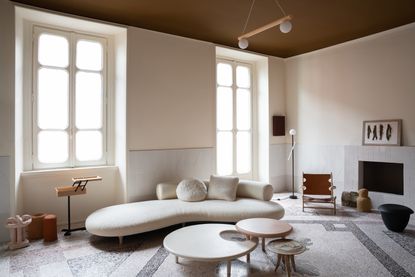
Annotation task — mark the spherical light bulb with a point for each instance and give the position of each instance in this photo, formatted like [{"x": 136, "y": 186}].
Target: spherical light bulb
[
  {"x": 243, "y": 43},
  {"x": 293, "y": 132},
  {"x": 286, "y": 26}
]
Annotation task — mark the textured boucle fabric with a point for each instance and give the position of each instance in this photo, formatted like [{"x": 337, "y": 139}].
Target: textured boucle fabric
[
  {"x": 191, "y": 190},
  {"x": 222, "y": 187},
  {"x": 166, "y": 191}
]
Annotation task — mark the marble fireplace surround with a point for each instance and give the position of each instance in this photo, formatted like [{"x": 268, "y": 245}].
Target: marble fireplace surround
[{"x": 391, "y": 154}]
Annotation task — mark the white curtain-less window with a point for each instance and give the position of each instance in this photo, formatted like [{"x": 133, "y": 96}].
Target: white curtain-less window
[
  {"x": 69, "y": 109},
  {"x": 233, "y": 119}
]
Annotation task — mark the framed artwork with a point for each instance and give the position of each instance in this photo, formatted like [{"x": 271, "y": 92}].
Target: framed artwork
[{"x": 382, "y": 132}]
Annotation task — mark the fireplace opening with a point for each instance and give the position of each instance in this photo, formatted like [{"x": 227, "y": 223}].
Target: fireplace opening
[{"x": 381, "y": 177}]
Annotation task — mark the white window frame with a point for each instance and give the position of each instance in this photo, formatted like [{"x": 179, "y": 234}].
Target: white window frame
[
  {"x": 72, "y": 36},
  {"x": 234, "y": 64}
]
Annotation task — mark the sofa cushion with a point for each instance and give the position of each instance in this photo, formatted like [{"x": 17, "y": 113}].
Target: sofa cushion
[
  {"x": 166, "y": 191},
  {"x": 222, "y": 187},
  {"x": 255, "y": 190},
  {"x": 191, "y": 190}
]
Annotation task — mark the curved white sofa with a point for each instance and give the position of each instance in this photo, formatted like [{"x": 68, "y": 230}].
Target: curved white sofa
[{"x": 132, "y": 218}]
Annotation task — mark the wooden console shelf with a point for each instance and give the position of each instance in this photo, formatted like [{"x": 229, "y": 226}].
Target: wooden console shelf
[
  {"x": 78, "y": 188},
  {"x": 69, "y": 191}
]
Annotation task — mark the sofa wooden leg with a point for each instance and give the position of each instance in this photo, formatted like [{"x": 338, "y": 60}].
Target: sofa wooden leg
[{"x": 120, "y": 240}]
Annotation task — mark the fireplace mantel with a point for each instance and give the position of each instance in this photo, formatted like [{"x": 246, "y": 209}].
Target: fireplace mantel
[{"x": 388, "y": 154}]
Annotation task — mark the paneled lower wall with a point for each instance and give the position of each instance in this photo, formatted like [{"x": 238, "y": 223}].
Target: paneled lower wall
[
  {"x": 147, "y": 168},
  {"x": 279, "y": 168},
  {"x": 4, "y": 195},
  {"x": 38, "y": 194},
  {"x": 309, "y": 159}
]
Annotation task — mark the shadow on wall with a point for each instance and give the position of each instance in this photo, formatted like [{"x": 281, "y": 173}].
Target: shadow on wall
[{"x": 147, "y": 168}]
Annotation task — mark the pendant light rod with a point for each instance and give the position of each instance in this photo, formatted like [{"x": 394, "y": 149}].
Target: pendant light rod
[{"x": 265, "y": 27}]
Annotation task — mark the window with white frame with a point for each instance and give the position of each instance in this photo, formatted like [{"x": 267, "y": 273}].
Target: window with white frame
[
  {"x": 69, "y": 99},
  {"x": 234, "y": 118}
]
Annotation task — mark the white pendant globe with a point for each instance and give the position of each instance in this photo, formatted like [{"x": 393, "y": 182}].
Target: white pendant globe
[
  {"x": 243, "y": 43},
  {"x": 286, "y": 27}
]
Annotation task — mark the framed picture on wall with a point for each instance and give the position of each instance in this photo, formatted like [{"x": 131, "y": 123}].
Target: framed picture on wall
[{"x": 382, "y": 132}]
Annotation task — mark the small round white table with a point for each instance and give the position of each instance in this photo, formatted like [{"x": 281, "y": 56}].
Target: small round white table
[{"x": 209, "y": 242}]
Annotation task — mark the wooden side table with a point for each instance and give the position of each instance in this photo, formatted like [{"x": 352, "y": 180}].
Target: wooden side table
[
  {"x": 286, "y": 249},
  {"x": 263, "y": 228},
  {"x": 78, "y": 188}
]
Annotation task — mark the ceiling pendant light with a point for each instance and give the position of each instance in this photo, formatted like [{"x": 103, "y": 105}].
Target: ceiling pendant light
[
  {"x": 286, "y": 27},
  {"x": 284, "y": 24},
  {"x": 243, "y": 43}
]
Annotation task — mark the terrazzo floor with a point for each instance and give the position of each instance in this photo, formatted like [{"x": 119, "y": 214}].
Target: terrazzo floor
[{"x": 348, "y": 244}]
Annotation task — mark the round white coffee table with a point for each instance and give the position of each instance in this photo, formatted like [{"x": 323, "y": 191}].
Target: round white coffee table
[
  {"x": 264, "y": 228},
  {"x": 209, "y": 242}
]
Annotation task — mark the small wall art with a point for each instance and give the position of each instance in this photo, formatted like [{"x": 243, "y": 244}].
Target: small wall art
[{"x": 382, "y": 132}]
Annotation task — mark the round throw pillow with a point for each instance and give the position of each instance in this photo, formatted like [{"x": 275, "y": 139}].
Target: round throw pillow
[{"x": 191, "y": 190}]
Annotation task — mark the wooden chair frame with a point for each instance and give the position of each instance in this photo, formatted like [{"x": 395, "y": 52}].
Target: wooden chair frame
[{"x": 321, "y": 189}]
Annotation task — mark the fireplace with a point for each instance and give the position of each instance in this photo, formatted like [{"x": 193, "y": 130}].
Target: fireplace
[{"x": 381, "y": 177}]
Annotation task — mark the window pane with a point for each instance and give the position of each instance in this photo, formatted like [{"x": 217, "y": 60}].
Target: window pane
[
  {"x": 88, "y": 145},
  {"x": 52, "y": 107},
  {"x": 52, "y": 146},
  {"x": 224, "y": 115},
  {"x": 53, "y": 50},
  {"x": 88, "y": 100},
  {"x": 224, "y": 153},
  {"x": 243, "y": 152},
  {"x": 224, "y": 74},
  {"x": 89, "y": 55},
  {"x": 243, "y": 109},
  {"x": 243, "y": 78}
]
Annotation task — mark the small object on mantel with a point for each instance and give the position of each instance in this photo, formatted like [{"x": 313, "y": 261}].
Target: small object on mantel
[{"x": 78, "y": 188}]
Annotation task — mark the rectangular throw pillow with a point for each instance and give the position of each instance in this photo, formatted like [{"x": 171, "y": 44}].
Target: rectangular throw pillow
[{"x": 222, "y": 187}]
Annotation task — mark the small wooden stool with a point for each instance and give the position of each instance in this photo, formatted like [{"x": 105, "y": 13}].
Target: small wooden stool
[
  {"x": 35, "y": 229},
  {"x": 50, "y": 229},
  {"x": 286, "y": 249}
]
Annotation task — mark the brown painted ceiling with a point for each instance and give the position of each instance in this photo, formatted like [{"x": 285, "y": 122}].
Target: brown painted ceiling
[{"x": 316, "y": 24}]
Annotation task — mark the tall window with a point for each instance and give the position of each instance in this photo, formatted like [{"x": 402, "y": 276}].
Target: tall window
[
  {"x": 233, "y": 118},
  {"x": 69, "y": 89}
]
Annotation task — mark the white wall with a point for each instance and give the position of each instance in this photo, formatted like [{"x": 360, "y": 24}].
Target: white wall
[
  {"x": 6, "y": 75},
  {"x": 170, "y": 110},
  {"x": 330, "y": 93},
  {"x": 6, "y": 109},
  {"x": 34, "y": 191},
  {"x": 277, "y": 101},
  {"x": 171, "y": 91}
]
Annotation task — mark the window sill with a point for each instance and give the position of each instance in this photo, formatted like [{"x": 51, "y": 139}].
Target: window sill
[{"x": 71, "y": 170}]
